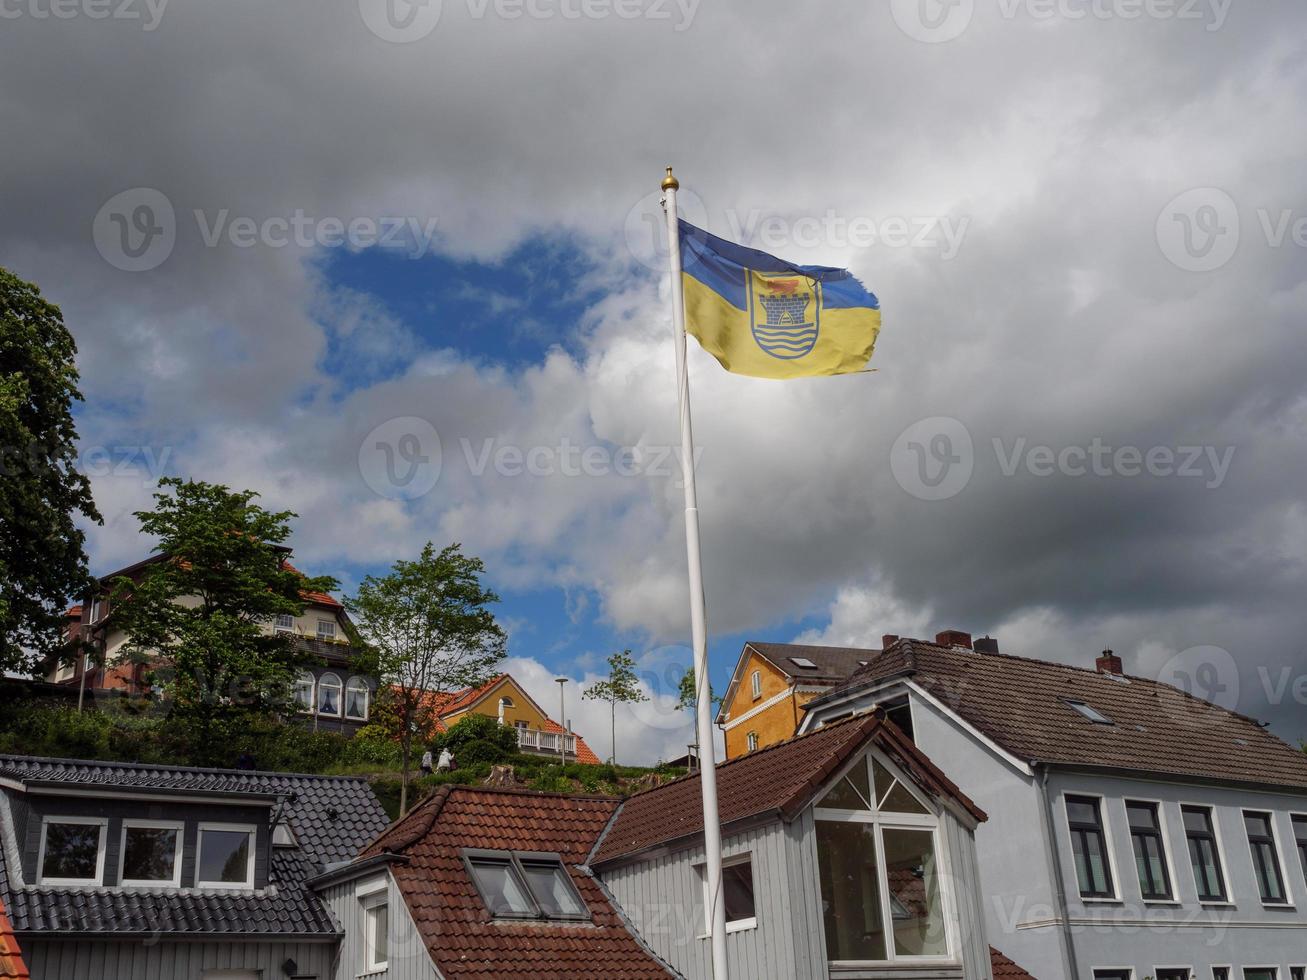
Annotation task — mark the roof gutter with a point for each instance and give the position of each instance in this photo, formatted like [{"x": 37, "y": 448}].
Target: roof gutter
[
  {"x": 1055, "y": 869},
  {"x": 355, "y": 869}
]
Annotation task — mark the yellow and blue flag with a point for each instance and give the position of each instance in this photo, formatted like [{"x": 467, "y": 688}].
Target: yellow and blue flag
[{"x": 768, "y": 318}]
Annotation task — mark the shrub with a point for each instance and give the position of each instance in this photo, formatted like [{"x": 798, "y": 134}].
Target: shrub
[
  {"x": 477, "y": 728},
  {"x": 372, "y": 745},
  {"x": 479, "y": 751}
]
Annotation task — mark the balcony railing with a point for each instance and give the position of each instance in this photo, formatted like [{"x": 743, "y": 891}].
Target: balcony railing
[{"x": 533, "y": 741}]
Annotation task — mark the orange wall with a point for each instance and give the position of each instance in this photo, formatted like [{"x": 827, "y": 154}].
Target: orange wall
[
  {"x": 772, "y": 725},
  {"x": 522, "y": 709}
]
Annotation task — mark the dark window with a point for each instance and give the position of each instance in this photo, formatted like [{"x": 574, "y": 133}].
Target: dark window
[
  {"x": 1204, "y": 855},
  {"x": 150, "y": 853},
  {"x": 1266, "y": 861},
  {"x": 226, "y": 856},
  {"x": 1260, "y": 973},
  {"x": 1300, "y": 835},
  {"x": 1298, "y": 973},
  {"x": 1220, "y": 973},
  {"x": 72, "y": 850},
  {"x": 1112, "y": 975},
  {"x": 1175, "y": 973},
  {"x": 1088, "y": 711},
  {"x": 1149, "y": 850},
  {"x": 525, "y": 886},
  {"x": 900, "y": 713},
  {"x": 737, "y": 886},
  {"x": 1089, "y": 845}
]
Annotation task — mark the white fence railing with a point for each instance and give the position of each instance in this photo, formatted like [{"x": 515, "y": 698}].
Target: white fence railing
[{"x": 533, "y": 741}]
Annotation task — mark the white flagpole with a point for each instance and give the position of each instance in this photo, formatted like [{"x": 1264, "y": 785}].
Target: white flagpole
[{"x": 712, "y": 828}]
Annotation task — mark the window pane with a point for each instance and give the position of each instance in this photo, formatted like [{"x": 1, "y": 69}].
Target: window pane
[
  {"x": 329, "y": 695},
  {"x": 304, "y": 691},
  {"x": 1174, "y": 974},
  {"x": 1259, "y": 974},
  {"x": 380, "y": 916},
  {"x": 1082, "y": 811},
  {"x": 850, "y": 891},
  {"x": 737, "y": 886},
  {"x": 1143, "y": 816},
  {"x": 72, "y": 850},
  {"x": 893, "y": 795},
  {"x": 356, "y": 700},
  {"x": 914, "y": 893},
  {"x": 224, "y": 856},
  {"x": 1111, "y": 975},
  {"x": 852, "y": 792},
  {"x": 552, "y": 889},
  {"x": 504, "y": 894},
  {"x": 149, "y": 854},
  {"x": 1258, "y": 824}
]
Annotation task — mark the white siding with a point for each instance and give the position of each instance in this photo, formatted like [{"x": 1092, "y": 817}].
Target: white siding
[
  {"x": 408, "y": 958},
  {"x": 126, "y": 960}
]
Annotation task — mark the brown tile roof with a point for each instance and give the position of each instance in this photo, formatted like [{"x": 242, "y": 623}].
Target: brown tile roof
[
  {"x": 1019, "y": 704},
  {"x": 779, "y": 779},
  {"x": 833, "y": 663},
  {"x": 1005, "y": 969},
  {"x": 461, "y": 936},
  {"x": 12, "y": 966}
]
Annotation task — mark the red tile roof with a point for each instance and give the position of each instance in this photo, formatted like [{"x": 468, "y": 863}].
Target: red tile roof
[
  {"x": 466, "y": 698},
  {"x": 584, "y": 754},
  {"x": 1005, "y": 969},
  {"x": 1018, "y": 703},
  {"x": 12, "y": 966},
  {"x": 317, "y": 598},
  {"x": 781, "y": 778},
  {"x": 462, "y": 937}
]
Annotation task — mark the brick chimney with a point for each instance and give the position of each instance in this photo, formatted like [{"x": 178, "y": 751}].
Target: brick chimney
[
  {"x": 986, "y": 644},
  {"x": 888, "y": 640},
  {"x": 1109, "y": 663},
  {"x": 953, "y": 638}
]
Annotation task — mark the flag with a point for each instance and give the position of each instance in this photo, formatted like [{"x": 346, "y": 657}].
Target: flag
[{"x": 768, "y": 318}]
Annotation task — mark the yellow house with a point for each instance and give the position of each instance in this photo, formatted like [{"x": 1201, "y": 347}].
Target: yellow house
[
  {"x": 771, "y": 683},
  {"x": 505, "y": 700}
]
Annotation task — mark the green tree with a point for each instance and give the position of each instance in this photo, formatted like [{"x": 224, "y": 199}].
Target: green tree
[
  {"x": 622, "y": 686},
  {"x": 428, "y": 630},
  {"x": 201, "y": 615},
  {"x": 42, "y": 552},
  {"x": 689, "y": 699}
]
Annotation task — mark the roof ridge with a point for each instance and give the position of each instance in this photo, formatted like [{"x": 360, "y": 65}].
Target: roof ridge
[
  {"x": 535, "y": 793},
  {"x": 169, "y": 767}
]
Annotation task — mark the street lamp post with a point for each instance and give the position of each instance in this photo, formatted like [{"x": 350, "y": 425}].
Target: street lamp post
[{"x": 562, "y": 716}]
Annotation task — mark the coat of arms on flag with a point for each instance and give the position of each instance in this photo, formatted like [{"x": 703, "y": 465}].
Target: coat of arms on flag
[{"x": 785, "y": 314}]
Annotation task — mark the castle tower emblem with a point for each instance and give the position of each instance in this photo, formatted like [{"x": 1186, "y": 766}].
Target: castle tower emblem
[{"x": 785, "y": 315}]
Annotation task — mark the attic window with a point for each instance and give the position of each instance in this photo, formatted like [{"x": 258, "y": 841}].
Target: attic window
[
  {"x": 803, "y": 663},
  {"x": 515, "y": 885},
  {"x": 1093, "y": 714}
]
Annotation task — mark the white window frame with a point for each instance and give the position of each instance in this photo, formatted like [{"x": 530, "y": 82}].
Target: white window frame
[
  {"x": 248, "y": 883},
  {"x": 317, "y": 696},
  {"x": 132, "y": 822},
  {"x": 98, "y": 880},
  {"x": 1109, "y": 844},
  {"x": 367, "y": 699},
  {"x": 755, "y": 684},
  {"x": 370, "y": 903},
  {"x": 1227, "y": 967},
  {"x": 312, "y": 709},
  {"x": 752, "y": 741},
  {"x": 739, "y": 925},
  {"x": 1293, "y": 833},
  {"x": 889, "y": 820},
  {"x": 1277, "y": 837},
  {"x": 1214, "y": 812},
  {"x": 279, "y": 627},
  {"x": 1297, "y": 966},
  {"x": 1172, "y": 882},
  {"x": 329, "y": 634}
]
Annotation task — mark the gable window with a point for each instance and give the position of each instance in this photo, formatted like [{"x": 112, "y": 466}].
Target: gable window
[
  {"x": 72, "y": 850},
  {"x": 737, "y": 892},
  {"x": 756, "y": 682},
  {"x": 1300, "y": 836},
  {"x": 524, "y": 886},
  {"x": 753, "y": 741},
  {"x": 329, "y": 695},
  {"x": 151, "y": 853},
  {"x": 356, "y": 699},
  {"x": 1204, "y": 853},
  {"x": 326, "y": 629},
  {"x": 1149, "y": 848},
  {"x": 1089, "y": 847},
  {"x": 285, "y": 623},
  {"x": 882, "y": 886},
  {"x": 226, "y": 856},
  {"x": 1266, "y": 857},
  {"x": 304, "y": 692},
  {"x": 376, "y": 939}
]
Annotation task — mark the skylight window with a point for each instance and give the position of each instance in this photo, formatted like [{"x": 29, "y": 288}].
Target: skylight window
[
  {"x": 525, "y": 886},
  {"x": 803, "y": 662},
  {"x": 1093, "y": 714}
]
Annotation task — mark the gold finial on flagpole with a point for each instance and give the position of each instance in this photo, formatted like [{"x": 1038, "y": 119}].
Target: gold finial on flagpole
[{"x": 670, "y": 183}]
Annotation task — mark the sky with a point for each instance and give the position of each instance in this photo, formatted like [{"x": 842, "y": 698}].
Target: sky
[{"x": 397, "y": 267}]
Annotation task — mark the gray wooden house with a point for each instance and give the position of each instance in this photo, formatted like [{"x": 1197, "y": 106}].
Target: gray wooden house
[{"x": 129, "y": 872}]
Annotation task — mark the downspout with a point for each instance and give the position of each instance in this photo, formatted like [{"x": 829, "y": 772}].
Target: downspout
[{"x": 1068, "y": 940}]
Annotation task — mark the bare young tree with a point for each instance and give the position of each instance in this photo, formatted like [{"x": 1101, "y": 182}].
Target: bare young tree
[
  {"x": 428, "y": 632},
  {"x": 621, "y": 687}
]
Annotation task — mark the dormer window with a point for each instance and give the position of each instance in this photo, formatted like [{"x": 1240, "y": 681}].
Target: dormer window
[
  {"x": 151, "y": 854},
  {"x": 326, "y": 629},
  {"x": 226, "y": 858},
  {"x": 524, "y": 886},
  {"x": 72, "y": 850}
]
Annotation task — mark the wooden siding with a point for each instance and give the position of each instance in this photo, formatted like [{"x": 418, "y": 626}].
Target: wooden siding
[
  {"x": 119, "y": 960},
  {"x": 408, "y": 958}
]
